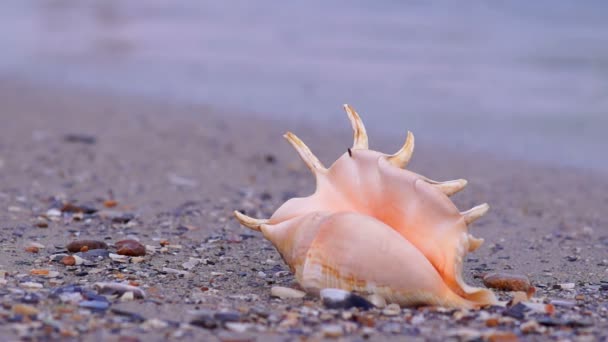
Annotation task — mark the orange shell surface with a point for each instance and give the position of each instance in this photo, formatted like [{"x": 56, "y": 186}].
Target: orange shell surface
[{"x": 375, "y": 228}]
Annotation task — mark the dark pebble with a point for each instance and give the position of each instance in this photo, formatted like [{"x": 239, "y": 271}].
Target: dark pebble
[
  {"x": 130, "y": 248},
  {"x": 572, "y": 323},
  {"x": 227, "y": 316},
  {"x": 78, "y": 245},
  {"x": 340, "y": 299},
  {"x": 133, "y": 316},
  {"x": 517, "y": 311},
  {"x": 94, "y": 255},
  {"x": 94, "y": 304},
  {"x": 30, "y": 298},
  {"x": 74, "y": 208},
  {"x": 78, "y": 138},
  {"x": 205, "y": 319}
]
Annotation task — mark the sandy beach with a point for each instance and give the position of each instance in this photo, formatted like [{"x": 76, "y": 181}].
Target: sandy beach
[{"x": 152, "y": 171}]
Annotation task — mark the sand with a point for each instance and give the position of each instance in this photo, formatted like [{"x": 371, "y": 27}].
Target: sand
[{"x": 181, "y": 170}]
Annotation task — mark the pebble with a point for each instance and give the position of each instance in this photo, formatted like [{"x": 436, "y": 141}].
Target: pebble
[
  {"x": 563, "y": 303},
  {"x": 71, "y": 260},
  {"x": 31, "y": 285},
  {"x": 25, "y": 310},
  {"x": 518, "y": 297},
  {"x": 392, "y": 310},
  {"x": 130, "y": 248},
  {"x": 191, "y": 263},
  {"x": 238, "y": 327},
  {"x": 34, "y": 244},
  {"x": 377, "y": 300},
  {"x": 85, "y": 245},
  {"x": 119, "y": 289},
  {"x": 531, "y": 327},
  {"x": 507, "y": 282},
  {"x": 94, "y": 304},
  {"x": 227, "y": 316},
  {"x": 154, "y": 323},
  {"x": 94, "y": 254},
  {"x": 53, "y": 212},
  {"x": 567, "y": 286},
  {"x": 340, "y": 299},
  {"x": 118, "y": 258},
  {"x": 286, "y": 292},
  {"x": 332, "y": 330}
]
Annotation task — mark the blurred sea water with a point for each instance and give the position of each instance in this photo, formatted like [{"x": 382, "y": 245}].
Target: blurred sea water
[{"x": 523, "y": 79}]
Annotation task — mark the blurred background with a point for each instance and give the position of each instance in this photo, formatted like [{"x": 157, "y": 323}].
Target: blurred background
[{"x": 519, "y": 79}]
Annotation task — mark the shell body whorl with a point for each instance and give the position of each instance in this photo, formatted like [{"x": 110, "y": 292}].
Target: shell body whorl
[{"x": 373, "y": 227}]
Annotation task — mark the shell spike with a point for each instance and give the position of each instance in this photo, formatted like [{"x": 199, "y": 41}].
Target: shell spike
[
  {"x": 307, "y": 156},
  {"x": 449, "y": 188},
  {"x": 360, "y": 135},
  {"x": 475, "y": 213},
  {"x": 403, "y": 156},
  {"x": 249, "y": 222}
]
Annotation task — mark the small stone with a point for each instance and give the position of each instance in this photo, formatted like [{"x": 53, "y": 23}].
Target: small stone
[
  {"x": 71, "y": 260},
  {"x": 261, "y": 274},
  {"x": 32, "y": 249},
  {"x": 204, "y": 319},
  {"x": 40, "y": 272},
  {"x": 127, "y": 296},
  {"x": 53, "y": 212},
  {"x": 238, "y": 327},
  {"x": 377, "y": 300},
  {"x": 94, "y": 254},
  {"x": 227, "y": 316},
  {"x": 518, "y": 297},
  {"x": 563, "y": 303},
  {"x": 41, "y": 223},
  {"x": 119, "y": 289},
  {"x": 94, "y": 304},
  {"x": 286, "y": 292},
  {"x": 191, "y": 263},
  {"x": 567, "y": 286},
  {"x": 332, "y": 330},
  {"x": 492, "y": 322},
  {"x": 501, "y": 336},
  {"x": 517, "y": 311},
  {"x": 34, "y": 244},
  {"x": 130, "y": 248},
  {"x": 177, "y": 272},
  {"x": 25, "y": 310},
  {"x": 116, "y": 216},
  {"x": 31, "y": 285},
  {"x": 85, "y": 245},
  {"x": 392, "y": 310},
  {"x": 154, "y": 323},
  {"x": 507, "y": 282},
  {"x": 531, "y": 327},
  {"x": 340, "y": 299},
  {"x": 119, "y": 258}
]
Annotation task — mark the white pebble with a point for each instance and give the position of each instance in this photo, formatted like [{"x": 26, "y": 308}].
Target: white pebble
[{"x": 286, "y": 292}]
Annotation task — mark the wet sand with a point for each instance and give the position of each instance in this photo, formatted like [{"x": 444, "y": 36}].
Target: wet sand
[{"x": 181, "y": 170}]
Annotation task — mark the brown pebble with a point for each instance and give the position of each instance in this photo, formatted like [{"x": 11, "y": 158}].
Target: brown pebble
[
  {"x": 32, "y": 249},
  {"x": 130, "y": 248},
  {"x": 42, "y": 224},
  {"x": 502, "y": 336},
  {"x": 68, "y": 260},
  {"x": 492, "y": 322},
  {"x": 110, "y": 203},
  {"x": 78, "y": 245},
  {"x": 507, "y": 282},
  {"x": 41, "y": 271},
  {"x": 25, "y": 310}
]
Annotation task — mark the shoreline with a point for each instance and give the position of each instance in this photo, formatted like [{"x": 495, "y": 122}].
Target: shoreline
[{"x": 173, "y": 170}]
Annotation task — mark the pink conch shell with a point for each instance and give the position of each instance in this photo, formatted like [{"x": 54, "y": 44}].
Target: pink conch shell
[{"x": 373, "y": 227}]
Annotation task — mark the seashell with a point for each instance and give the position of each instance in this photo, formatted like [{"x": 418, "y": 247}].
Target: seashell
[{"x": 374, "y": 227}]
